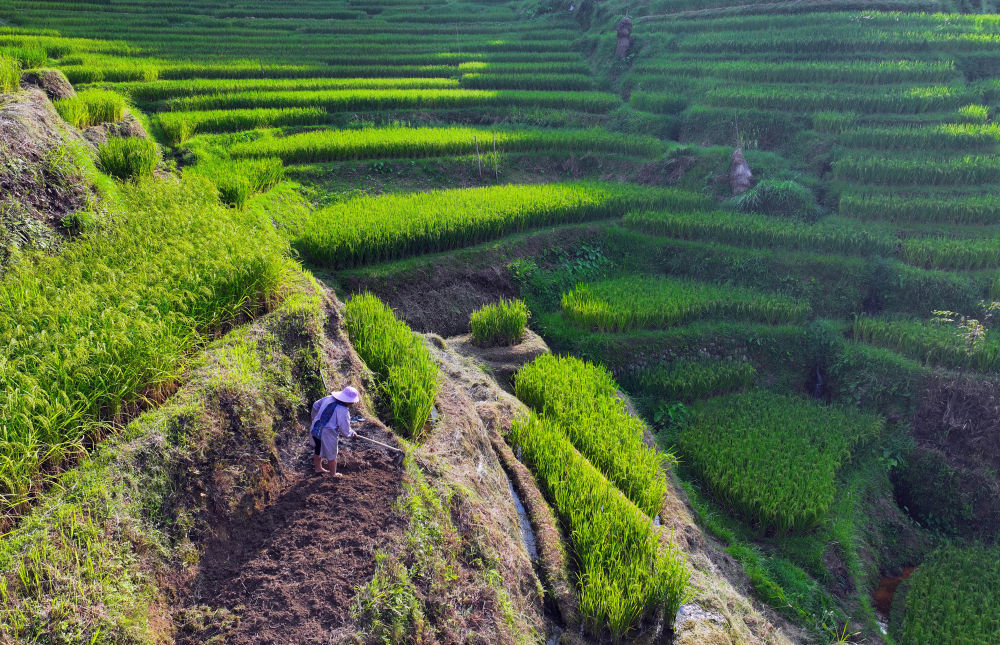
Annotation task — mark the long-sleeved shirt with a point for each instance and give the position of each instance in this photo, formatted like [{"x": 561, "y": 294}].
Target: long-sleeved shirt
[{"x": 339, "y": 422}]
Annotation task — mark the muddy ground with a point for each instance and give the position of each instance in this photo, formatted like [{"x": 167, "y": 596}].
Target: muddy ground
[{"x": 287, "y": 576}]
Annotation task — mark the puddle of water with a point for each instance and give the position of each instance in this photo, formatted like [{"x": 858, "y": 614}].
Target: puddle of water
[
  {"x": 887, "y": 591},
  {"x": 554, "y": 636},
  {"x": 527, "y": 535}
]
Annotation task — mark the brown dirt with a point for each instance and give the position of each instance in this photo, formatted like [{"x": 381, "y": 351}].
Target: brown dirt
[
  {"x": 887, "y": 590},
  {"x": 504, "y": 361},
  {"x": 51, "y": 81},
  {"x": 288, "y": 574}
]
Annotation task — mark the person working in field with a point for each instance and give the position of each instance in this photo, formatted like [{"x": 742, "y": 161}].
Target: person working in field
[{"x": 331, "y": 417}]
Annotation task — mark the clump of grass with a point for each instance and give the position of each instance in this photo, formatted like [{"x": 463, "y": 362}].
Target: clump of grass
[
  {"x": 692, "y": 379},
  {"x": 501, "y": 323},
  {"x": 128, "y": 159},
  {"x": 238, "y": 181},
  {"x": 92, "y": 107},
  {"x": 403, "y": 366},
  {"x": 783, "y": 198},
  {"x": 10, "y": 75}
]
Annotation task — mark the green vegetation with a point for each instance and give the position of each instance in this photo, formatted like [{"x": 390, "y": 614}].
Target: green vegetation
[
  {"x": 92, "y": 107},
  {"x": 91, "y": 330},
  {"x": 692, "y": 379},
  {"x": 128, "y": 159},
  {"x": 10, "y": 75},
  {"x": 178, "y": 127},
  {"x": 651, "y": 302},
  {"x": 406, "y": 373},
  {"x": 773, "y": 457},
  {"x": 372, "y": 229},
  {"x": 623, "y": 579},
  {"x": 239, "y": 180},
  {"x": 501, "y": 323},
  {"x": 954, "y": 598},
  {"x": 929, "y": 342},
  {"x": 583, "y": 399}
]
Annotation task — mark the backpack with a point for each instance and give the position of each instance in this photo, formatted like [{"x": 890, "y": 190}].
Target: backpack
[{"x": 324, "y": 418}]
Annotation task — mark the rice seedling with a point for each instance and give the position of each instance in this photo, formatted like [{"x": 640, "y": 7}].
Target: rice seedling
[
  {"x": 953, "y": 597},
  {"x": 829, "y": 235},
  {"x": 977, "y": 114},
  {"x": 895, "y": 170},
  {"x": 658, "y": 103},
  {"x": 952, "y": 253},
  {"x": 239, "y": 180},
  {"x": 914, "y": 100},
  {"x": 692, "y": 379},
  {"x": 89, "y": 330},
  {"x": 522, "y": 81},
  {"x": 339, "y": 145},
  {"x": 928, "y": 342},
  {"x": 653, "y": 302},
  {"x": 500, "y": 323},
  {"x": 128, "y": 159},
  {"x": 178, "y": 127},
  {"x": 876, "y": 72},
  {"x": 937, "y": 208},
  {"x": 346, "y": 100},
  {"x": 92, "y": 107},
  {"x": 623, "y": 579},
  {"x": 773, "y": 457},
  {"x": 583, "y": 398},
  {"x": 28, "y": 57},
  {"x": 406, "y": 373},
  {"x": 366, "y": 229},
  {"x": 948, "y": 136}
]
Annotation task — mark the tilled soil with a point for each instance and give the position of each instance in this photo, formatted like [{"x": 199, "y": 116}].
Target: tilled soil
[{"x": 288, "y": 575}]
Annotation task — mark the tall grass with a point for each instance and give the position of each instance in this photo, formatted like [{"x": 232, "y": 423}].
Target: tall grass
[
  {"x": 948, "y": 253},
  {"x": 339, "y": 145},
  {"x": 178, "y": 127},
  {"x": 88, "y": 331},
  {"x": 937, "y": 208},
  {"x": 772, "y": 457},
  {"x": 692, "y": 379},
  {"x": 163, "y": 90},
  {"x": 500, "y": 323},
  {"x": 92, "y": 107},
  {"x": 651, "y": 302},
  {"x": 927, "y": 341},
  {"x": 407, "y": 375},
  {"x": 372, "y": 229},
  {"x": 625, "y": 572},
  {"x": 583, "y": 398},
  {"x": 128, "y": 159},
  {"x": 239, "y": 180},
  {"x": 10, "y": 75},
  {"x": 894, "y": 170}
]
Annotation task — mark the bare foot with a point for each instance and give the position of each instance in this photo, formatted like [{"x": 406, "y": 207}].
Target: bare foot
[
  {"x": 321, "y": 470},
  {"x": 337, "y": 474}
]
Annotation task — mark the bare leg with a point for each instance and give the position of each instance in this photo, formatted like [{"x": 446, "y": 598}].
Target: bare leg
[
  {"x": 318, "y": 465},
  {"x": 334, "y": 471}
]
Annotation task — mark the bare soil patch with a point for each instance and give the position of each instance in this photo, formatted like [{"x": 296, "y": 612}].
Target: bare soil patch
[{"x": 288, "y": 573}]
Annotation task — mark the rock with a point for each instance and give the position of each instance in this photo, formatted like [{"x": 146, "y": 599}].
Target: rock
[
  {"x": 51, "y": 81},
  {"x": 129, "y": 127}
]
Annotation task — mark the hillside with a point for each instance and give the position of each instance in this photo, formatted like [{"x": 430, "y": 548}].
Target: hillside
[{"x": 769, "y": 411}]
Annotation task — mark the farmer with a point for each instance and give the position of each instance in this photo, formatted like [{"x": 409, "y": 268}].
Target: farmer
[{"x": 331, "y": 415}]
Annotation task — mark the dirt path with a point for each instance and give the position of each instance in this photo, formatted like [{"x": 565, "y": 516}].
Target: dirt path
[{"x": 288, "y": 574}]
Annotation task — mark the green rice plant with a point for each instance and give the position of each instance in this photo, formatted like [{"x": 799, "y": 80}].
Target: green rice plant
[
  {"x": 583, "y": 398},
  {"x": 92, "y": 107},
  {"x": 178, "y": 127},
  {"x": 522, "y": 81},
  {"x": 773, "y": 458},
  {"x": 929, "y": 342},
  {"x": 894, "y": 170},
  {"x": 952, "y": 253},
  {"x": 829, "y": 235},
  {"x": 692, "y": 379},
  {"x": 658, "y": 102},
  {"x": 623, "y": 579},
  {"x": 977, "y": 114},
  {"x": 404, "y": 369},
  {"x": 906, "y": 100},
  {"x": 833, "y": 122},
  {"x": 373, "y": 229},
  {"x": 500, "y": 323},
  {"x": 88, "y": 331},
  {"x": 128, "y": 159},
  {"x": 654, "y": 302},
  {"x": 953, "y": 598},
  {"x": 874, "y": 72},
  {"x": 947, "y": 136},
  {"x": 239, "y": 180},
  {"x": 937, "y": 208},
  {"x": 350, "y": 100},
  {"x": 10, "y": 75},
  {"x": 783, "y": 198},
  {"x": 29, "y": 57},
  {"x": 367, "y": 143}
]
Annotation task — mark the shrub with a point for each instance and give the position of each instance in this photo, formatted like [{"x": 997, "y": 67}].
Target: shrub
[
  {"x": 128, "y": 159},
  {"x": 92, "y": 107},
  {"x": 783, "y": 198},
  {"x": 501, "y": 323},
  {"x": 404, "y": 369},
  {"x": 10, "y": 75}
]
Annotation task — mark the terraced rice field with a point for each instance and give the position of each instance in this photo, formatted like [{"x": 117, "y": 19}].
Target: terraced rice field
[{"x": 778, "y": 343}]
